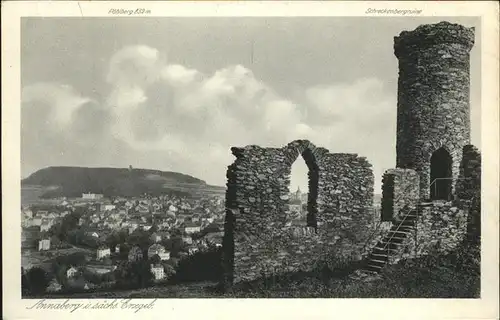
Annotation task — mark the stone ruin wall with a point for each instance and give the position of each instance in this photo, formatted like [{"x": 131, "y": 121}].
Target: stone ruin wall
[
  {"x": 443, "y": 226},
  {"x": 259, "y": 237},
  {"x": 400, "y": 188},
  {"x": 433, "y": 96},
  {"x": 440, "y": 229},
  {"x": 469, "y": 189},
  {"x": 432, "y": 112},
  {"x": 470, "y": 170}
]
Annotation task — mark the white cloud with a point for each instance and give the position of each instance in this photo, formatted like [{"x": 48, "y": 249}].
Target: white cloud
[
  {"x": 127, "y": 97},
  {"x": 345, "y": 99},
  {"x": 179, "y": 75},
  {"x": 61, "y": 100},
  {"x": 358, "y": 117},
  {"x": 134, "y": 65}
]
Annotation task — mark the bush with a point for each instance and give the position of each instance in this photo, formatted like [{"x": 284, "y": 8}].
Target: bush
[
  {"x": 37, "y": 280},
  {"x": 25, "y": 288},
  {"x": 201, "y": 266},
  {"x": 453, "y": 275},
  {"x": 155, "y": 259},
  {"x": 134, "y": 275}
]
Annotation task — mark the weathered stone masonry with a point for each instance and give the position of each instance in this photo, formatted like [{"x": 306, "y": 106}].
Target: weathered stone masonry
[
  {"x": 432, "y": 123},
  {"x": 434, "y": 114},
  {"x": 441, "y": 227},
  {"x": 433, "y": 133},
  {"x": 433, "y": 96},
  {"x": 259, "y": 236},
  {"x": 469, "y": 189},
  {"x": 400, "y": 188}
]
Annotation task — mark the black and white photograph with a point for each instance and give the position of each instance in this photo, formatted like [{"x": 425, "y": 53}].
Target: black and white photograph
[{"x": 250, "y": 157}]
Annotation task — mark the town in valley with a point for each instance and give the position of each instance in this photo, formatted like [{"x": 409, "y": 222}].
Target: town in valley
[{"x": 96, "y": 242}]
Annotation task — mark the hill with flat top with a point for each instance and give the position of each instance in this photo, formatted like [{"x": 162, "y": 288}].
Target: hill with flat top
[{"x": 53, "y": 182}]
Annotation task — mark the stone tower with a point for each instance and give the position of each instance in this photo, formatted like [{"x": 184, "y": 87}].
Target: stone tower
[{"x": 433, "y": 113}]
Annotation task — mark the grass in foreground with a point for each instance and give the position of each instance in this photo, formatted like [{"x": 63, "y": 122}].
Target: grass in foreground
[{"x": 454, "y": 275}]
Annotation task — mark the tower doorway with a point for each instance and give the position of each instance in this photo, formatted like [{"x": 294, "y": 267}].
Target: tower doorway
[{"x": 441, "y": 175}]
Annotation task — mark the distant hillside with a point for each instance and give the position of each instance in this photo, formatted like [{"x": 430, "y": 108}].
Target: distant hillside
[{"x": 73, "y": 181}]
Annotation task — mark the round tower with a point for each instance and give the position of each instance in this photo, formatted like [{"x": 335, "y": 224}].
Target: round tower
[{"x": 433, "y": 121}]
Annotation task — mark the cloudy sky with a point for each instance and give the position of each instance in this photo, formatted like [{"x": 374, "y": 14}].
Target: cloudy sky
[{"x": 176, "y": 93}]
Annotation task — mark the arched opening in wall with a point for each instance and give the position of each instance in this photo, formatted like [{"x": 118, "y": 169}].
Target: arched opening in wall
[
  {"x": 303, "y": 190},
  {"x": 441, "y": 175}
]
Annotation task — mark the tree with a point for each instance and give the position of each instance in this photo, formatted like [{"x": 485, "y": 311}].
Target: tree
[
  {"x": 63, "y": 229},
  {"x": 112, "y": 240},
  {"x": 197, "y": 235},
  {"x": 213, "y": 227},
  {"x": 124, "y": 250},
  {"x": 107, "y": 261},
  {"x": 108, "y": 277},
  {"x": 60, "y": 273},
  {"x": 38, "y": 280},
  {"x": 154, "y": 228},
  {"x": 75, "y": 259},
  {"x": 121, "y": 275},
  {"x": 76, "y": 237},
  {"x": 55, "y": 241},
  {"x": 201, "y": 266},
  {"x": 116, "y": 238},
  {"x": 24, "y": 283},
  {"x": 167, "y": 243},
  {"x": 61, "y": 264},
  {"x": 142, "y": 274},
  {"x": 155, "y": 259},
  {"x": 173, "y": 262},
  {"x": 78, "y": 212},
  {"x": 91, "y": 242},
  {"x": 135, "y": 274},
  {"x": 169, "y": 270},
  {"x": 177, "y": 246},
  {"x": 92, "y": 277},
  {"x": 44, "y": 235},
  {"x": 176, "y": 233},
  {"x": 140, "y": 238},
  {"x": 55, "y": 230}
]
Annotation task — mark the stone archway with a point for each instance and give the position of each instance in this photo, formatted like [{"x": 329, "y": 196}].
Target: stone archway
[
  {"x": 441, "y": 175},
  {"x": 259, "y": 237},
  {"x": 306, "y": 150}
]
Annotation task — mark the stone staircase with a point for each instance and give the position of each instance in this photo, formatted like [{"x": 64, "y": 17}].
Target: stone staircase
[{"x": 392, "y": 242}]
